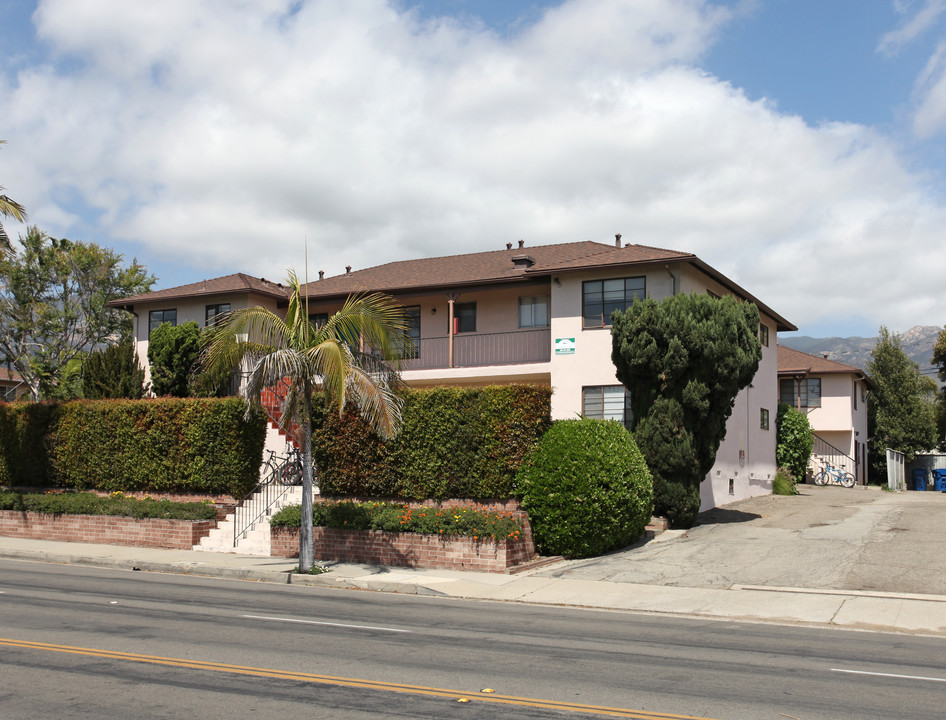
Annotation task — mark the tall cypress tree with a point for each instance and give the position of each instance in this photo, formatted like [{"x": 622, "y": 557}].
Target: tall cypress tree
[
  {"x": 113, "y": 373},
  {"x": 684, "y": 360}
]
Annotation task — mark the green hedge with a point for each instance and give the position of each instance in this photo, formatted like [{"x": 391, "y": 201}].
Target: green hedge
[
  {"x": 587, "y": 489},
  {"x": 167, "y": 445},
  {"x": 69, "y": 503},
  {"x": 392, "y": 517},
  {"x": 24, "y": 461},
  {"x": 453, "y": 443}
]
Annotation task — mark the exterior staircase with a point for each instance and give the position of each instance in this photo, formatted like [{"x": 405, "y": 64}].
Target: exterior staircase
[
  {"x": 246, "y": 530},
  {"x": 255, "y": 538}
]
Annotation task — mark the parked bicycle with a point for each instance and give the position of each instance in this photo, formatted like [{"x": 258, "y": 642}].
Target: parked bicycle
[
  {"x": 830, "y": 475},
  {"x": 285, "y": 470}
]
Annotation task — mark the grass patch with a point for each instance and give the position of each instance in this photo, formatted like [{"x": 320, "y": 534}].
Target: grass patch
[{"x": 783, "y": 483}]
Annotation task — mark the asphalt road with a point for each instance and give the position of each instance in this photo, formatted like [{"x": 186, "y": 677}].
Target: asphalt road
[
  {"x": 825, "y": 538},
  {"x": 92, "y": 643}
]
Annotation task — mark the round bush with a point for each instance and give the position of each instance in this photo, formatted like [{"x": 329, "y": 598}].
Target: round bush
[{"x": 587, "y": 489}]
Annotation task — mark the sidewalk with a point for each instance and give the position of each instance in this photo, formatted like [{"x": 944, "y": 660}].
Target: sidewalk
[{"x": 878, "y": 611}]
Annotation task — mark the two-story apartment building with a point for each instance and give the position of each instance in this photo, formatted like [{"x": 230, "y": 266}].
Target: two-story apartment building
[
  {"x": 834, "y": 397},
  {"x": 525, "y": 315}
]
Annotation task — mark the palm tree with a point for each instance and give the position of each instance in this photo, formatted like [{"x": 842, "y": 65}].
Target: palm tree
[
  {"x": 9, "y": 208},
  {"x": 307, "y": 359}
]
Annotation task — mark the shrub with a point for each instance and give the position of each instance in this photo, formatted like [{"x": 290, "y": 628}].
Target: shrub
[
  {"x": 783, "y": 483},
  {"x": 587, "y": 489},
  {"x": 453, "y": 443},
  {"x": 24, "y": 456},
  {"x": 67, "y": 503},
  {"x": 113, "y": 372},
  {"x": 394, "y": 517},
  {"x": 794, "y": 441}
]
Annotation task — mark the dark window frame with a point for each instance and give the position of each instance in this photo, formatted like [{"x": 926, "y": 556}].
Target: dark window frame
[
  {"x": 412, "y": 331},
  {"x": 464, "y": 317},
  {"x": 764, "y": 334},
  {"x": 218, "y": 309},
  {"x": 810, "y": 392},
  {"x": 764, "y": 418},
  {"x": 152, "y": 323},
  {"x": 596, "y": 306}
]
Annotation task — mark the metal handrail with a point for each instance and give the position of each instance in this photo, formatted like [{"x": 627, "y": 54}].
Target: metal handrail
[
  {"x": 271, "y": 492},
  {"x": 828, "y": 454}
]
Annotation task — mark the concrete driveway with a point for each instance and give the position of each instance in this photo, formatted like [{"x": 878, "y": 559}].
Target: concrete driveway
[{"x": 825, "y": 538}]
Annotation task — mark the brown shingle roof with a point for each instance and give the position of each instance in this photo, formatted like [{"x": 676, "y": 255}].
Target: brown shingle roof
[
  {"x": 515, "y": 264},
  {"x": 796, "y": 362},
  {"x": 238, "y": 283}
]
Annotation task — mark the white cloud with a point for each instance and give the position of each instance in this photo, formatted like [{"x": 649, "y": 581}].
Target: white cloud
[
  {"x": 221, "y": 134},
  {"x": 921, "y": 21}
]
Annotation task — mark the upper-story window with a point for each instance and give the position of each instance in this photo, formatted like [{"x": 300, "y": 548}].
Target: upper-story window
[
  {"x": 317, "y": 320},
  {"x": 159, "y": 317},
  {"x": 600, "y": 298},
  {"x": 810, "y": 389},
  {"x": 764, "y": 334},
  {"x": 534, "y": 311},
  {"x": 464, "y": 317},
  {"x": 212, "y": 312}
]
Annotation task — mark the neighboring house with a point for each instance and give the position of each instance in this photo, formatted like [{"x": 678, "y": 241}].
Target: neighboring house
[
  {"x": 834, "y": 397},
  {"x": 12, "y": 385},
  {"x": 525, "y": 315}
]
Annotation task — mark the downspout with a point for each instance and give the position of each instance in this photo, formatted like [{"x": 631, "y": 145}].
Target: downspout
[{"x": 673, "y": 280}]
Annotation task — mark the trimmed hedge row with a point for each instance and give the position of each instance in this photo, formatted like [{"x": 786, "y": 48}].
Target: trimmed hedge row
[
  {"x": 165, "y": 445},
  {"x": 453, "y": 443}
]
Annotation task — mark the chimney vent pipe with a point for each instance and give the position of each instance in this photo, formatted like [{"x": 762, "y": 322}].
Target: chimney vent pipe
[{"x": 617, "y": 240}]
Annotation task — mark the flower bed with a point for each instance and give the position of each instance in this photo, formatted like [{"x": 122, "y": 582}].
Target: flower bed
[{"x": 380, "y": 547}]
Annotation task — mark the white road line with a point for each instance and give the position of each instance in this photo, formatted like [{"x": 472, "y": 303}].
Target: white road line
[
  {"x": 890, "y": 675},
  {"x": 318, "y": 622}
]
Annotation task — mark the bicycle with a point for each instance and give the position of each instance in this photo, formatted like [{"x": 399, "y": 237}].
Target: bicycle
[
  {"x": 834, "y": 476},
  {"x": 286, "y": 470}
]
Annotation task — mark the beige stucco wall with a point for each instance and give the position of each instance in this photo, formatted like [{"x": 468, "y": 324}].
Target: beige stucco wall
[{"x": 189, "y": 310}]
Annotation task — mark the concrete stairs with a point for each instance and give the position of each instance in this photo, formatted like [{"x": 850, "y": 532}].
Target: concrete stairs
[{"x": 255, "y": 540}]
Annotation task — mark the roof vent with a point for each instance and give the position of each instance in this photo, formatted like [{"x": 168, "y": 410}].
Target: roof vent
[
  {"x": 617, "y": 240},
  {"x": 321, "y": 274},
  {"x": 348, "y": 269},
  {"x": 523, "y": 261},
  {"x": 509, "y": 246},
  {"x": 522, "y": 243}
]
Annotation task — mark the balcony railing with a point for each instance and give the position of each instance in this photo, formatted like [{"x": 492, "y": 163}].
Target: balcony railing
[{"x": 481, "y": 349}]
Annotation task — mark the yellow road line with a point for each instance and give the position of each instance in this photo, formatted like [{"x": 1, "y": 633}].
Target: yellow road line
[{"x": 346, "y": 682}]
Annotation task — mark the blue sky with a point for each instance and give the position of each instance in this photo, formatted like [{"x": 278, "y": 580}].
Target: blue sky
[{"x": 795, "y": 145}]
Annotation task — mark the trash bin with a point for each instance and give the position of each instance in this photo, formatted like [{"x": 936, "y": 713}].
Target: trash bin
[
  {"x": 919, "y": 479},
  {"x": 939, "y": 479}
]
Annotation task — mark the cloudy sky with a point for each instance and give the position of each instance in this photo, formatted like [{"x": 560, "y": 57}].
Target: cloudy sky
[{"x": 795, "y": 145}]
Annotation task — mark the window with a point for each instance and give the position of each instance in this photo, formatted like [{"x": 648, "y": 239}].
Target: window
[
  {"x": 764, "y": 420},
  {"x": 412, "y": 318},
  {"x": 600, "y": 298},
  {"x": 534, "y": 311},
  {"x": 855, "y": 394},
  {"x": 607, "y": 402},
  {"x": 810, "y": 389},
  {"x": 317, "y": 320},
  {"x": 212, "y": 311},
  {"x": 764, "y": 335},
  {"x": 159, "y": 317},
  {"x": 464, "y": 317}
]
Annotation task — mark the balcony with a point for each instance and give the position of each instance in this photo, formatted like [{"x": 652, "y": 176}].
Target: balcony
[{"x": 483, "y": 349}]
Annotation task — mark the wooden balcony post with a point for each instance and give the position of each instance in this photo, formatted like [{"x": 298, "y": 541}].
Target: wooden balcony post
[{"x": 451, "y": 297}]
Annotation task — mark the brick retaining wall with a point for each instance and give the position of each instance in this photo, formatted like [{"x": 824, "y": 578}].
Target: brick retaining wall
[
  {"x": 105, "y": 529},
  {"x": 378, "y": 547}
]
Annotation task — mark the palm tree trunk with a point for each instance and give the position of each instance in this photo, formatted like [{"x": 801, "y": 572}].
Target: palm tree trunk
[{"x": 306, "y": 541}]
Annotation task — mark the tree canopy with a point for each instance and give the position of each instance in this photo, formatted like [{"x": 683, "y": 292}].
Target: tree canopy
[
  {"x": 939, "y": 361},
  {"x": 900, "y": 412},
  {"x": 684, "y": 359},
  {"x": 9, "y": 208},
  {"x": 53, "y": 304},
  {"x": 348, "y": 358}
]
